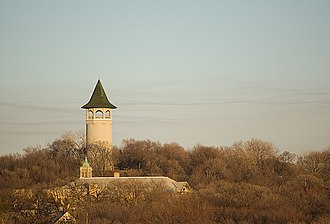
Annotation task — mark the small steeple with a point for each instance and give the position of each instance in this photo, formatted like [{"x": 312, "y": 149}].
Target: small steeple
[
  {"x": 99, "y": 98},
  {"x": 86, "y": 170}
]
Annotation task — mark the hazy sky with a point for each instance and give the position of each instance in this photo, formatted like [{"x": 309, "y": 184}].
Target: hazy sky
[{"x": 208, "y": 72}]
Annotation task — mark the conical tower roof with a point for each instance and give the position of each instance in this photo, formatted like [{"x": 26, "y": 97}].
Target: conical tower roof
[
  {"x": 99, "y": 98},
  {"x": 86, "y": 164}
]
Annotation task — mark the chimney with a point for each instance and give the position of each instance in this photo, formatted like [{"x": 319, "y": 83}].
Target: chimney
[{"x": 116, "y": 174}]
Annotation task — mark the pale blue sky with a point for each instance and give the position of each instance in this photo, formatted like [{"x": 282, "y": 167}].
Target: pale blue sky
[{"x": 209, "y": 72}]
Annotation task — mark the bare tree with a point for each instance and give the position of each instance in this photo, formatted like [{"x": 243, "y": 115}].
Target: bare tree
[{"x": 100, "y": 156}]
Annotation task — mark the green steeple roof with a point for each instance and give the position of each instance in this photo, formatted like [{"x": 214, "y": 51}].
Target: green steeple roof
[
  {"x": 86, "y": 164},
  {"x": 99, "y": 98}
]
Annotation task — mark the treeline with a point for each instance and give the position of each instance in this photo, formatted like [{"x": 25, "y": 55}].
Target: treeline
[{"x": 248, "y": 182}]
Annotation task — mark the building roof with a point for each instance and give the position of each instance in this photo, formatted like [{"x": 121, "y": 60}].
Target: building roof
[
  {"x": 99, "y": 98},
  {"x": 166, "y": 182},
  {"x": 64, "y": 217},
  {"x": 86, "y": 164}
]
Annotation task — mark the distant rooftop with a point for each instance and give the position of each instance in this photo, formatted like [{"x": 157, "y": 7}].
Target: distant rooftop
[
  {"x": 166, "y": 182},
  {"x": 99, "y": 98}
]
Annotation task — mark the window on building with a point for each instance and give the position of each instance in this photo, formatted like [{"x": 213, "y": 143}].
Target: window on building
[
  {"x": 90, "y": 114},
  {"x": 107, "y": 114},
  {"x": 99, "y": 114}
]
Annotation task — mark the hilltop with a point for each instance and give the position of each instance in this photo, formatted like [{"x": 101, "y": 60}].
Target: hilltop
[{"x": 248, "y": 182}]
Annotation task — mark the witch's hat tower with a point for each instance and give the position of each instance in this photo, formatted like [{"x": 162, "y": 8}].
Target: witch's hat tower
[{"x": 99, "y": 117}]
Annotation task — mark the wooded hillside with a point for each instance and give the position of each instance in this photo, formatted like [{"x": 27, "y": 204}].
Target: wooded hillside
[{"x": 248, "y": 182}]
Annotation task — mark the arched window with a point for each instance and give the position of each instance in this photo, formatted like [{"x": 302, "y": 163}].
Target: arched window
[
  {"x": 90, "y": 114},
  {"x": 99, "y": 114},
  {"x": 107, "y": 114}
]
